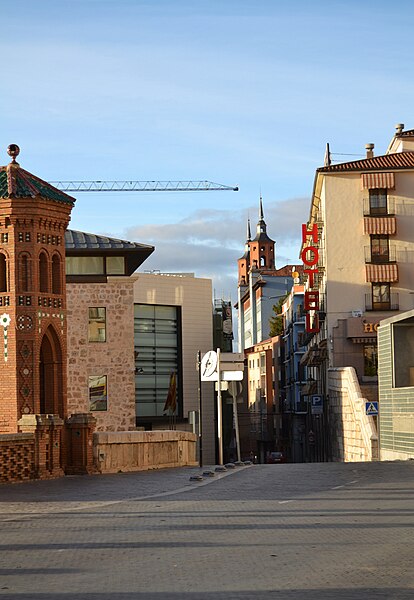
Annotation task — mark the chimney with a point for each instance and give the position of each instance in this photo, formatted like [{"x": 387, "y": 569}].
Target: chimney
[
  {"x": 399, "y": 127},
  {"x": 370, "y": 150}
]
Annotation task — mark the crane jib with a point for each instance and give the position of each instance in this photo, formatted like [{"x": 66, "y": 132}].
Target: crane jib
[{"x": 141, "y": 186}]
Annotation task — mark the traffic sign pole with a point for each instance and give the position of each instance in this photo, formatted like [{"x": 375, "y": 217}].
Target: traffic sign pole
[{"x": 219, "y": 413}]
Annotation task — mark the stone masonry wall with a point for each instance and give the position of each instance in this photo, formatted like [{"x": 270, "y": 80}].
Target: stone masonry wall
[
  {"x": 143, "y": 450},
  {"x": 113, "y": 358},
  {"x": 353, "y": 433}
]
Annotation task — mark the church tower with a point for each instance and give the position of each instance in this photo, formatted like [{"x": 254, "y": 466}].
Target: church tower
[
  {"x": 262, "y": 248},
  {"x": 244, "y": 261},
  {"x": 33, "y": 346}
]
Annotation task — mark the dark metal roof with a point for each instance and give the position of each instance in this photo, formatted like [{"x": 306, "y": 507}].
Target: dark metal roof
[
  {"x": 79, "y": 240},
  {"x": 15, "y": 182},
  {"x": 79, "y": 243},
  {"x": 397, "y": 161}
]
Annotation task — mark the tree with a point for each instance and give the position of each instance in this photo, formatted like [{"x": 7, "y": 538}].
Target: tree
[{"x": 276, "y": 322}]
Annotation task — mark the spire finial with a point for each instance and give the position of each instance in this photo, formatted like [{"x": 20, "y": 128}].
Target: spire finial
[
  {"x": 249, "y": 234},
  {"x": 261, "y": 215},
  {"x": 13, "y": 150}
]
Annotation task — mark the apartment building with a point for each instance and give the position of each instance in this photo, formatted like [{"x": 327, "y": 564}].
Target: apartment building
[{"x": 358, "y": 256}]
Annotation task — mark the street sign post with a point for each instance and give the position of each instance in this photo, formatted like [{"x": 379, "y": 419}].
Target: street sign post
[
  {"x": 317, "y": 404},
  {"x": 221, "y": 366}
]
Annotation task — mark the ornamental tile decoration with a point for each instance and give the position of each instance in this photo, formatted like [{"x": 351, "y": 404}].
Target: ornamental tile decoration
[{"x": 5, "y": 321}]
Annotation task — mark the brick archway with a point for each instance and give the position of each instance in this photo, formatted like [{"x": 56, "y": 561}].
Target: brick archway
[{"x": 51, "y": 374}]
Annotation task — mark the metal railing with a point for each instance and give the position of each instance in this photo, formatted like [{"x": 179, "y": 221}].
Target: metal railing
[
  {"x": 380, "y": 257},
  {"x": 386, "y": 210},
  {"x": 391, "y": 304}
]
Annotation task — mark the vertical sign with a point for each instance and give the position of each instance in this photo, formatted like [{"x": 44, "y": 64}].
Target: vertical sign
[{"x": 310, "y": 258}]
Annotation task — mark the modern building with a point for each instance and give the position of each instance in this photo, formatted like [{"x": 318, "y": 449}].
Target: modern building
[
  {"x": 396, "y": 386},
  {"x": 173, "y": 321},
  {"x": 129, "y": 332},
  {"x": 260, "y": 285},
  {"x": 358, "y": 255},
  {"x": 100, "y": 324}
]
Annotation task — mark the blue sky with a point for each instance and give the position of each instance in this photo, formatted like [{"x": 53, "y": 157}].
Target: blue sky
[{"x": 239, "y": 92}]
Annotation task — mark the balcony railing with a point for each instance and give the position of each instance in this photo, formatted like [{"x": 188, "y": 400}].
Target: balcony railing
[
  {"x": 387, "y": 255},
  {"x": 391, "y": 304},
  {"x": 379, "y": 211}
]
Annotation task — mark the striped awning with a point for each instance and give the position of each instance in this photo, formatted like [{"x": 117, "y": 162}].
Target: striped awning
[
  {"x": 382, "y": 273},
  {"x": 380, "y": 225},
  {"x": 372, "y": 181}
]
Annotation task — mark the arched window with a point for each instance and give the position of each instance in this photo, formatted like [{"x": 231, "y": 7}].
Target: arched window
[
  {"x": 3, "y": 273},
  {"x": 24, "y": 273},
  {"x": 43, "y": 272},
  {"x": 56, "y": 275},
  {"x": 262, "y": 261}
]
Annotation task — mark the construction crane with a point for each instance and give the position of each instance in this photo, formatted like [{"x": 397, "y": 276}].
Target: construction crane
[{"x": 142, "y": 186}]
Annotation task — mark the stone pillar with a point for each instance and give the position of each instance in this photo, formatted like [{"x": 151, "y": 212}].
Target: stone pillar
[{"x": 79, "y": 432}]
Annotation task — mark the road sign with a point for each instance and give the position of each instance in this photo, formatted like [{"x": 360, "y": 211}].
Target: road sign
[
  {"x": 371, "y": 408},
  {"x": 231, "y": 357},
  {"x": 317, "y": 405}
]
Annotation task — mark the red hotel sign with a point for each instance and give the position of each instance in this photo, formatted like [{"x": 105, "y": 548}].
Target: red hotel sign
[{"x": 310, "y": 258}]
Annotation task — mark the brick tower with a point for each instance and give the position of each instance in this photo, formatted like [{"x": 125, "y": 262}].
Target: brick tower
[
  {"x": 262, "y": 248},
  {"x": 33, "y": 346}
]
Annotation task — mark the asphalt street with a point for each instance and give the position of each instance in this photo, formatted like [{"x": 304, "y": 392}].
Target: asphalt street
[{"x": 304, "y": 531}]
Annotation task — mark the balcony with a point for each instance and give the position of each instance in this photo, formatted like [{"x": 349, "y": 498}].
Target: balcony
[
  {"x": 380, "y": 256},
  {"x": 391, "y": 304},
  {"x": 381, "y": 209}
]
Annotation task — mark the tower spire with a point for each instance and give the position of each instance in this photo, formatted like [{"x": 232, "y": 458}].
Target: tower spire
[
  {"x": 249, "y": 234},
  {"x": 261, "y": 215}
]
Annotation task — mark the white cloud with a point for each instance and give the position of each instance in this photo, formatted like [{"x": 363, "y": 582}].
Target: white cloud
[{"x": 208, "y": 242}]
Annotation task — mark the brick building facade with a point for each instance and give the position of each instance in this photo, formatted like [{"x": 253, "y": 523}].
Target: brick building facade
[{"x": 33, "y": 220}]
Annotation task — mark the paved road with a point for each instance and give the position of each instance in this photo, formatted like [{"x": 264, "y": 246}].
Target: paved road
[{"x": 315, "y": 531}]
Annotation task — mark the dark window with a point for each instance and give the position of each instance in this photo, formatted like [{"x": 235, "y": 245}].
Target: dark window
[
  {"x": 403, "y": 342},
  {"x": 370, "y": 360},
  {"x": 379, "y": 249},
  {"x": 56, "y": 275},
  {"x": 25, "y": 279},
  {"x": 378, "y": 202},
  {"x": 43, "y": 273},
  {"x": 3, "y": 273},
  {"x": 381, "y": 296}
]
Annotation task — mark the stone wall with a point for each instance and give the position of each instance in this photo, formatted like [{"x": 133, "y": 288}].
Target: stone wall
[
  {"x": 17, "y": 457},
  {"x": 353, "y": 433},
  {"x": 143, "y": 450},
  {"x": 113, "y": 358}
]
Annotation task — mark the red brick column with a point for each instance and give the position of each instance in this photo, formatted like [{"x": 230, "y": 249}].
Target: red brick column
[
  {"x": 55, "y": 445},
  {"x": 38, "y": 424},
  {"x": 79, "y": 432}
]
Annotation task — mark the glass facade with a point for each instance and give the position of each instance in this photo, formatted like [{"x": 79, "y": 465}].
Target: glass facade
[
  {"x": 157, "y": 340},
  {"x": 95, "y": 265}
]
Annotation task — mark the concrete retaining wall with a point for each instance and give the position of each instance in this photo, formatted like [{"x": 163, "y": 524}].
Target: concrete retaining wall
[
  {"x": 353, "y": 433},
  {"x": 143, "y": 450}
]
